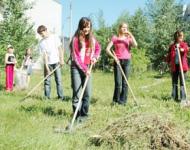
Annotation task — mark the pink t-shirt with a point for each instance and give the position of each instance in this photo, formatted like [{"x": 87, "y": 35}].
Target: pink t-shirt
[{"x": 122, "y": 47}]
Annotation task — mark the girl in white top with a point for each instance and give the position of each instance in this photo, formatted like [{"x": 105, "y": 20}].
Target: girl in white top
[{"x": 27, "y": 64}]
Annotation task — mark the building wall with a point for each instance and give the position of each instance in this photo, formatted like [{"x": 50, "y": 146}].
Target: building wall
[{"x": 48, "y": 13}]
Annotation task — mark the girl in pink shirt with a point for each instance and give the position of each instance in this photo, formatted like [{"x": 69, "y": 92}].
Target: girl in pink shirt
[
  {"x": 122, "y": 44},
  {"x": 84, "y": 50}
]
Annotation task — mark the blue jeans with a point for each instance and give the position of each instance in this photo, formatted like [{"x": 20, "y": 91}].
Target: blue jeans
[
  {"x": 121, "y": 87},
  {"x": 77, "y": 80},
  {"x": 175, "y": 76},
  {"x": 58, "y": 81}
]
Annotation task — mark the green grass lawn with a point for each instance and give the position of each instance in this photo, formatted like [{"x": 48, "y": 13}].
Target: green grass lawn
[{"x": 30, "y": 124}]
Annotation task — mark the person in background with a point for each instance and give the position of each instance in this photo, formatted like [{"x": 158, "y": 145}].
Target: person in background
[
  {"x": 27, "y": 64},
  {"x": 85, "y": 50},
  {"x": 10, "y": 62},
  {"x": 173, "y": 60},
  {"x": 122, "y": 44},
  {"x": 53, "y": 55}
]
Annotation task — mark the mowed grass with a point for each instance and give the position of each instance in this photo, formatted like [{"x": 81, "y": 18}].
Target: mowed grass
[{"x": 31, "y": 124}]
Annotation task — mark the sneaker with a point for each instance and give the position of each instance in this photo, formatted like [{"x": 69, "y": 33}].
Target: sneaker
[{"x": 183, "y": 103}]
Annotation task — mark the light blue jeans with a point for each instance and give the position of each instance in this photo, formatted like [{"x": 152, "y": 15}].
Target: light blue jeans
[{"x": 58, "y": 81}]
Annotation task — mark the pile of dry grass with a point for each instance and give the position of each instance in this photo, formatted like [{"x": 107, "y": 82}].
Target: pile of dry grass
[{"x": 142, "y": 131}]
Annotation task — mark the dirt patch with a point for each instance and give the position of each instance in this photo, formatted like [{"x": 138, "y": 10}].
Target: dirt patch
[{"x": 142, "y": 131}]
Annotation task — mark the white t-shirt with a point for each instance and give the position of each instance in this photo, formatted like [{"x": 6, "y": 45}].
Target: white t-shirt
[{"x": 50, "y": 46}]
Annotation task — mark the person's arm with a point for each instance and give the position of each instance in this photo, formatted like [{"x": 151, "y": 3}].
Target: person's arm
[
  {"x": 96, "y": 52},
  {"x": 76, "y": 56},
  {"x": 133, "y": 40},
  {"x": 184, "y": 48},
  {"x": 15, "y": 61},
  {"x": 45, "y": 57},
  {"x": 108, "y": 50}
]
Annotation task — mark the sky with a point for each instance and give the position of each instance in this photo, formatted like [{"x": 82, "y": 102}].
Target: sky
[{"x": 112, "y": 9}]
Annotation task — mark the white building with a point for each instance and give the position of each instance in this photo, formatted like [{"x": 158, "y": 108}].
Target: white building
[{"x": 48, "y": 13}]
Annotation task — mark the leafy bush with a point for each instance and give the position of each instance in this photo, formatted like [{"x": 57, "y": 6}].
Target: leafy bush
[{"x": 140, "y": 61}]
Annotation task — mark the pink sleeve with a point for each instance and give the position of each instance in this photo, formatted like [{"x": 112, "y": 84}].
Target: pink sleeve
[
  {"x": 76, "y": 56},
  {"x": 97, "y": 50},
  {"x": 113, "y": 39}
]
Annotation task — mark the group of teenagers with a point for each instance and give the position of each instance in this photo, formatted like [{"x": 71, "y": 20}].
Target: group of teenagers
[{"x": 85, "y": 51}]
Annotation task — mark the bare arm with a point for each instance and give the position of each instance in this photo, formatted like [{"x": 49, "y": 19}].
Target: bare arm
[
  {"x": 134, "y": 42},
  {"x": 45, "y": 57},
  {"x": 108, "y": 50}
]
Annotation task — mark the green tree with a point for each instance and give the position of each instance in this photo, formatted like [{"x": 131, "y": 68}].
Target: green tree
[
  {"x": 103, "y": 34},
  {"x": 124, "y": 17},
  {"x": 139, "y": 26},
  {"x": 15, "y": 28},
  {"x": 164, "y": 18}
]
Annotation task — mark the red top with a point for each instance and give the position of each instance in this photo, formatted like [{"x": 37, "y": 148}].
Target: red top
[{"x": 172, "y": 54}]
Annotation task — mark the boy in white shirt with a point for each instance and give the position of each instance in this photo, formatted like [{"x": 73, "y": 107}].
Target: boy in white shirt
[{"x": 52, "y": 51}]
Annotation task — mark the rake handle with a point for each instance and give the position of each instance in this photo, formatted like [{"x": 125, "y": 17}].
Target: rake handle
[
  {"x": 181, "y": 69},
  {"x": 135, "y": 101},
  {"x": 80, "y": 98},
  {"x": 34, "y": 88}
]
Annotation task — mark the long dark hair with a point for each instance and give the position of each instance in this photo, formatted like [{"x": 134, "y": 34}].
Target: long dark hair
[
  {"x": 83, "y": 22},
  {"x": 177, "y": 34}
]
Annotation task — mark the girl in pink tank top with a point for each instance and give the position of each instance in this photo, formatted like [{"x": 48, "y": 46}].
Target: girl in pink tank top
[{"x": 122, "y": 44}]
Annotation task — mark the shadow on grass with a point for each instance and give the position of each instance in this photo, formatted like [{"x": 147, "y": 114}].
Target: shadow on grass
[
  {"x": 158, "y": 76},
  {"x": 2, "y": 87},
  {"x": 163, "y": 97},
  {"x": 37, "y": 97},
  {"x": 67, "y": 98},
  {"x": 93, "y": 100},
  {"x": 49, "y": 110}
]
